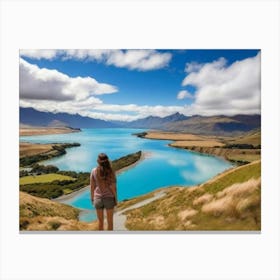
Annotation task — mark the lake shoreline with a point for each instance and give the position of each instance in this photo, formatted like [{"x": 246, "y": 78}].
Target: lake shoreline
[
  {"x": 31, "y": 153},
  {"x": 204, "y": 145},
  {"x": 178, "y": 137},
  {"x": 73, "y": 198},
  {"x": 66, "y": 197}
]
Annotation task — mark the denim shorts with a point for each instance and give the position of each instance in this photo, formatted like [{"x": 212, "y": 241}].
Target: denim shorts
[{"x": 106, "y": 202}]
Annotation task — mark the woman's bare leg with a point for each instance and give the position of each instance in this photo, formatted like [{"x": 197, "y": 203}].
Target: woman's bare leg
[
  {"x": 100, "y": 216},
  {"x": 110, "y": 213}
]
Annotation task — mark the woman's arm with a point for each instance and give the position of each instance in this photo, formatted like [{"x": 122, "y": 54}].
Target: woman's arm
[
  {"x": 114, "y": 188},
  {"x": 92, "y": 186}
]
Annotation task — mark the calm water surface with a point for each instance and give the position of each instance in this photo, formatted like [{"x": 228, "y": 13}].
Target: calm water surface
[{"x": 164, "y": 166}]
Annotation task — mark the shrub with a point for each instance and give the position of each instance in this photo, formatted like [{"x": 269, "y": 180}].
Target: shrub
[
  {"x": 239, "y": 146},
  {"x": 55, "y": 224},
  {"x": 23, "y": 173},
  {"x": 44, "y": 169}
]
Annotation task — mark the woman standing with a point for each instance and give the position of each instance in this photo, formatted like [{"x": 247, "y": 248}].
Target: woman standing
[{"x": 103, "y": 190}]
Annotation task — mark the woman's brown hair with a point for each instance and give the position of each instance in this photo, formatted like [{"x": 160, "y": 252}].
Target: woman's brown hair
[{"x": 105, "y": 173}]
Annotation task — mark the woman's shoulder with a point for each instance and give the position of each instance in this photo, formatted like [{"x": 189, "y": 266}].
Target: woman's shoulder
[{"x": 93, "y": 171}]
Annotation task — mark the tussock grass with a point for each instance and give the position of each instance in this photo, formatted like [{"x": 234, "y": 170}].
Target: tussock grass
[
  {"x": 31, "y": 206},
  {"x": 188, "y": 213},
  {"x": 218, "y": 207},
  {"x": 42, "y": 223},
  {"x": 43, "y": 214},
  {"x": 230, "y": 201},
  {"x": 202, "y": 199},
  {"x": 241, "y": 189}
]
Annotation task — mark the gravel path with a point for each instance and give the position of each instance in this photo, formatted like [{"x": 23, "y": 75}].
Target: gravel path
[{"x": 120, "y": 218}]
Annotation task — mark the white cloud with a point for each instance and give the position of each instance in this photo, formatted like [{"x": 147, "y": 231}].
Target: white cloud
[
  {"x": 228, "y": 90},
  {"x": 68, "y": 106},
  {"x": 94, "y": 108},
  {"x": 138, "y": 59},
  {"x": 85, "y": 54},
  {"x": 45, "y": 84},
  {"x": 52, "y": 91},
  {"x": 39, "y": 53},
  {"x": 193, "y": 67},
  {"x": 184, "y": 94},
  {"x": 142, "y": 60},
  {"x": 221, "y": 89}
]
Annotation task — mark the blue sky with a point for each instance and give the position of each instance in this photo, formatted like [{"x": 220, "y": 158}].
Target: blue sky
[{"x": 133, "y": 84}]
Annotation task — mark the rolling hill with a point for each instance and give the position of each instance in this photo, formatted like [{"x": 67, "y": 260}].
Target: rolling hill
[
  {"x": 43, "y": 214},
  {"x": 229, "y": 201},
  {"x": 218, "y": 125}
]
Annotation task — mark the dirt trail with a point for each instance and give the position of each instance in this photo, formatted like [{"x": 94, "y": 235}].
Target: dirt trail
[{"x": 120, "y": 218}]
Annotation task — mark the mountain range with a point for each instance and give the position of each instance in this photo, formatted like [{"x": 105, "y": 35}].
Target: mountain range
[
  {"x": 218, "y": 125},
  {"x": 30, "y": 116}
]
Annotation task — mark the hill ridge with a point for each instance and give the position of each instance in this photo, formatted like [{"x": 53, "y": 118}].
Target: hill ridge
[{"x": 177, "y": 122}]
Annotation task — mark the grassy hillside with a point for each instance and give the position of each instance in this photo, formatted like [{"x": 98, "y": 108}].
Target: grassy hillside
[
  {"x": 253, "y": 138},
  {"x": 238, "y": 156},
  {"x": 44, "y": 214},
  {"x": 217, "y": 125},
  {"x": 230, "y": 201}
]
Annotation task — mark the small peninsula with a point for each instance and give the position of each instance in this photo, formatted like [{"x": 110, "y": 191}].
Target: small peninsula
[{"x": 241, "y": 149}]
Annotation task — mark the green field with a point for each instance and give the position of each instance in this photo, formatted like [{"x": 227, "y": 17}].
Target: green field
[{"x": 46, "y": 178}]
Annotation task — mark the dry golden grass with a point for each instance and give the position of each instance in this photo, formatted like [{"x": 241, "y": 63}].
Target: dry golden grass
[
  {"x": 235, "y": 200},
  {"x": 42, "y": 223},
  {"x": 198, "y": 143},
  {"x": 186, "y": 214},
  {"x": 30, "y": 149},
  {"x": 243, "y": 155},
  {"x": 31, "y": 206},
  {"x": 230, "y": 201},
  {"x": 241, "y": 189},
  {"x": 247, "y": 156},
  {"x": 202, "y": 199},
  {"x": 183, "y": 140},
  {"x": 218, "y": 207},
  {"x": 45, "y": 131},
  {"x": 44, "y": 214},
  {"x": 251, "y": 138},
  {"x": 173, "y": 136}
]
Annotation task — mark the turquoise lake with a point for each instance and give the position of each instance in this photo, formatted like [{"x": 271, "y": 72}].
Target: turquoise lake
[{"x": 164, "y": 166}]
